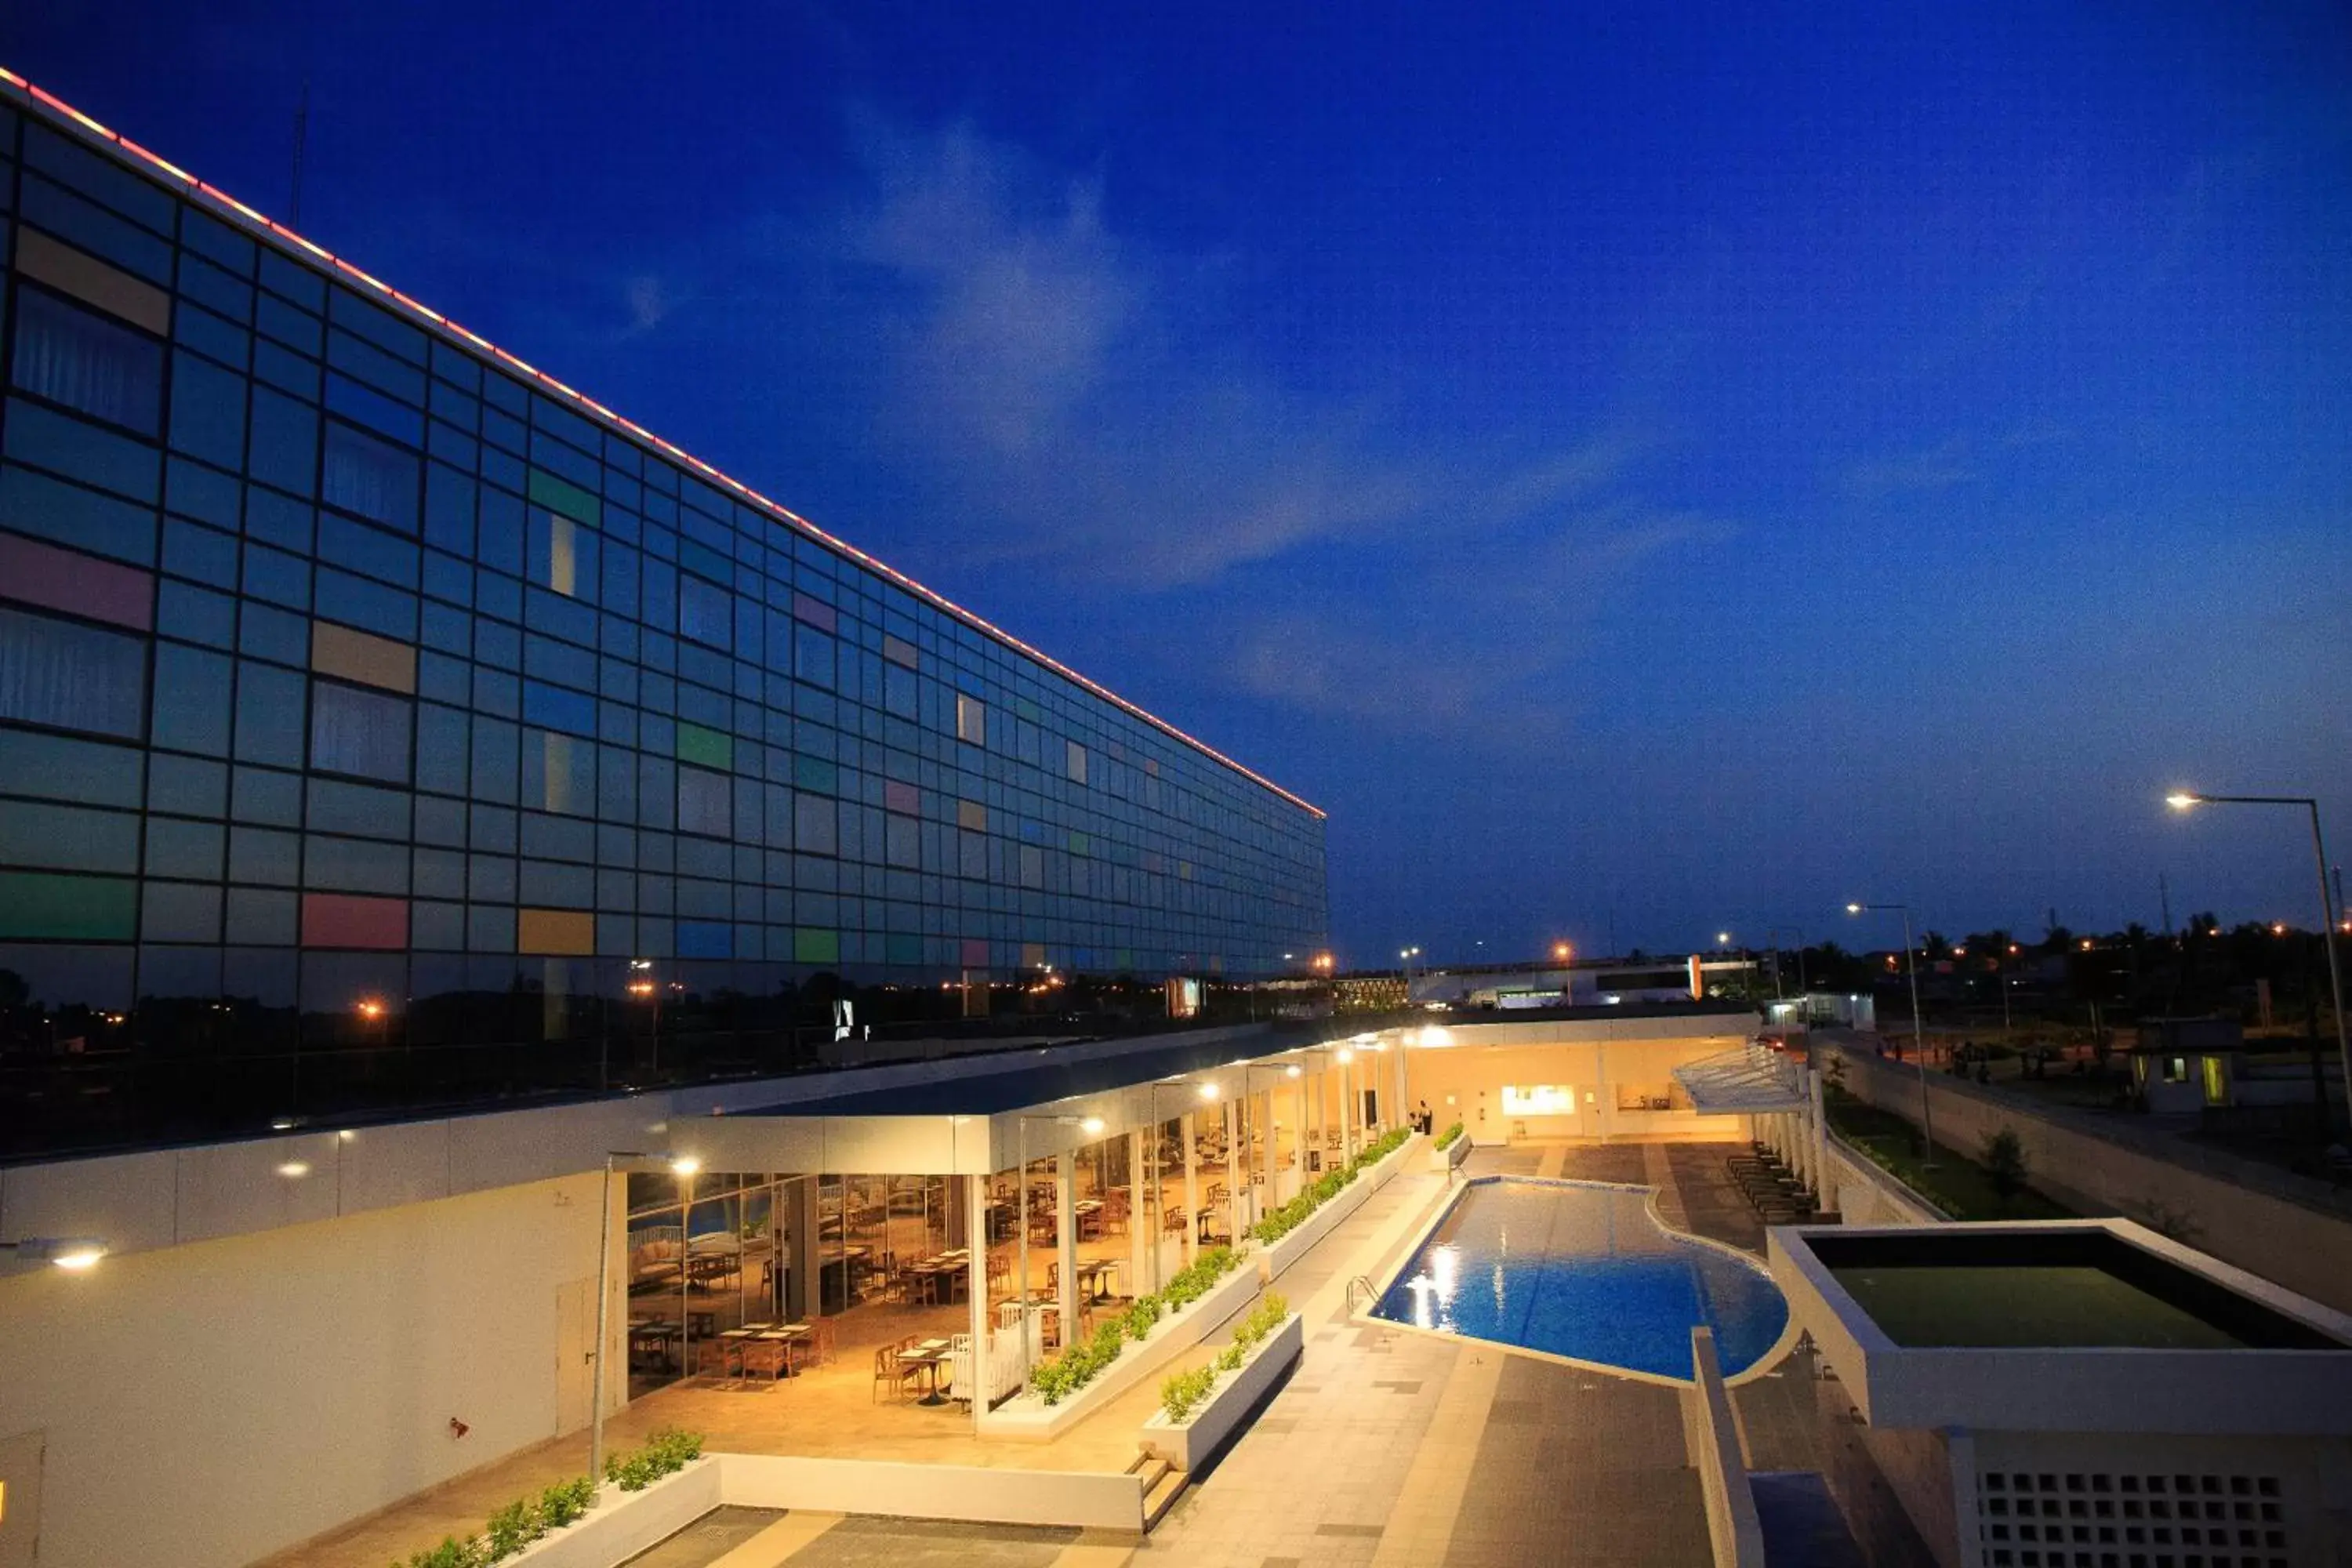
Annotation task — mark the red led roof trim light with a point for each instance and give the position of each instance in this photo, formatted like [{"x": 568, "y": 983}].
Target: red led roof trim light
[{"x": 76, "y": 122}]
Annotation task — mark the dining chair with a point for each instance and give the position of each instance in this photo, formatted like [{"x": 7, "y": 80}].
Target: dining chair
[{"x": 887, "y": 1371}]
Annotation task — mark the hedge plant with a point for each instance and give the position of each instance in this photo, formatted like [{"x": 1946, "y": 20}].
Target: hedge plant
[
  {"x": 1184, "y": 1393},
  {"x": 1446, "y": 1138},
  {"x": 524, "y": 1520},
  {"x": 1056, "y": 1380}
]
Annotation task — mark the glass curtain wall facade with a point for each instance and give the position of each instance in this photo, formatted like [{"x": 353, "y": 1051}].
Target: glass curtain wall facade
[{"x": 380, "y": 726}]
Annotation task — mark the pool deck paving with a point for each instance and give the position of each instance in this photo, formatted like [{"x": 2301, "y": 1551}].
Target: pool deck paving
[{"x": 1384, "y": 1448}]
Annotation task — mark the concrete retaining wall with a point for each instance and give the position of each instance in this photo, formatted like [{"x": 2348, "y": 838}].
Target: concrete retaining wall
[
  {"x": 1216, "y": 1419},
  {"x": 965, "y": 1493},
  {"x": 1863, "y": 1194},
  {"x": 623, "y": 1524}
]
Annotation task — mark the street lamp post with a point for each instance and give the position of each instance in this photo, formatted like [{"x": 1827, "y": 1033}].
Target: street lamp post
[
  {"x": 2184, "y": 800},
  {"x": 1772, "y": 935},
  {"x": 1918, "y": 1038},
  {"x": 684, "y": 1168}
]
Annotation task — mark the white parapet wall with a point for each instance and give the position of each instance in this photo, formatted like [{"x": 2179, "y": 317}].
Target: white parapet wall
[
  {"x": 1027, "y": 1418},
  {"x": 1213, "y": 1424},
  {"x": 623, "y": 1524},
  {"x": 1711, "y": 1441},
  {"x": 1863, "y": 1193},
  {"x": 966, "y": 1493}
]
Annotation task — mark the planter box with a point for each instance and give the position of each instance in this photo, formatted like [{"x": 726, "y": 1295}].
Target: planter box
[
  {"x": 1442, "y": 1161},
  {"x": 623, "y": 1524},
  {"x": 1217, "y": 1418},
  {"x": 1274, "y": 1259},
  {"x": 967, "y": 1494},
  {"x": 1026, "y": 1417}
]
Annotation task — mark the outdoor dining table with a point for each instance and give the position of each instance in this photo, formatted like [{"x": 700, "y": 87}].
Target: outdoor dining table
[
  {"x": 1091, "y": 1272},
  {"x": 930, "y": 1355}
]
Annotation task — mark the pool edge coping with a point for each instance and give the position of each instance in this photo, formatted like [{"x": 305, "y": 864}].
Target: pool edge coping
[{"x": 1763, "y": 1366}]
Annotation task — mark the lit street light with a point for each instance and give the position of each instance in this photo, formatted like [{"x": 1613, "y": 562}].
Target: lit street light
[
  {"x": 2185, "y": 800},
  {"x": 1918, "y": 1039}
]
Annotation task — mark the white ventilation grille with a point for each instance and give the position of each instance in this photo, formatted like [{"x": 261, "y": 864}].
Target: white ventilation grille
[{"x": 2037, "y": 1519}]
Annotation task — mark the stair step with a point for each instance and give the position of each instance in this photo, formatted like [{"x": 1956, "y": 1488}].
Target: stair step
[{"x": 1159, "y": 1494}]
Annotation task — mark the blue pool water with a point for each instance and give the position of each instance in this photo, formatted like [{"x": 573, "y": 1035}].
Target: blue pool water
[{"x": 1583, "y": 1270}]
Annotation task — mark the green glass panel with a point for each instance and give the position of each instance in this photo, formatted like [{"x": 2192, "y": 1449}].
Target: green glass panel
[
  {"x": 811, "y": 946},
  {"x": 707, "y": 748},
  {"x": 554, "y": 494},
  {"x": 906, "y": 949},
  {"x": 76, "y": 909},
  {"x": 816, "y": 774}
]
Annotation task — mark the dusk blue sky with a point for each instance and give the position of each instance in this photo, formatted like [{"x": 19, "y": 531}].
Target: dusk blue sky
[{"x": 1643, "y": 470}]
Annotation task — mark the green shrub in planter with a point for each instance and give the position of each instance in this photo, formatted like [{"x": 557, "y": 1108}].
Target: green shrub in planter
[
  {"x": 564, "y": 1502},
  {"x": 514, "y": 1527},
  {"x": 1182, "y": 1391},
  {"x": 1446, "y": 1138}
]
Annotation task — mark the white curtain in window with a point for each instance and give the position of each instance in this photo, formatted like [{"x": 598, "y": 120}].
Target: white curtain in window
[
  {"x": 72, "y": 677},
  {"x": 84, "y": 362}
]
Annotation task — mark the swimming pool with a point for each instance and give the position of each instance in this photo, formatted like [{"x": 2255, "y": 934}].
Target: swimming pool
[{"x": 1583, "y": 1269}]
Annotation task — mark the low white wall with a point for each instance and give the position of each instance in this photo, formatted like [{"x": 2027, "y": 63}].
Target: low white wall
[
  {"x": 254, "y": 1391},
  {"x": 1711, "y": 1442},
  {"x": 967, "y": 1493},
  {"x": 1027, "y": 1418},
  {"x": 1863, "y": 1193},
  {"x": 623, "y": 1524},
  {"x": 1216, "y": 1419}
]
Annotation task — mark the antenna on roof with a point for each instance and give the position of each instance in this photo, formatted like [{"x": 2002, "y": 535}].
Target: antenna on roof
[{"x": 301, "y": 133}]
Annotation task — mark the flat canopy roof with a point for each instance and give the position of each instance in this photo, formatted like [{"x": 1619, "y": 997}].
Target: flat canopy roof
[
  {"x": 1747, "y": 1080},
  {"x": 1051, "y": 1076}
]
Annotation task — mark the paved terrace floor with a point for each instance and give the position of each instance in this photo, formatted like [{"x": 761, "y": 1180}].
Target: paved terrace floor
[{"x": 1385, "y": 1449}]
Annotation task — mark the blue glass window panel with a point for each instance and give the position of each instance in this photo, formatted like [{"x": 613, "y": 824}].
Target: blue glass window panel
[
  {"x": 183, "y": 610},
  {"x": 498, "y": 595},
  {"x": 269, "y": 705},
  {"x": 453, "y": 404},
  {"x": 207, "y": 333},
  {"x": 500, "y": 533},
  {"x": 494, "y": 770},
  {"x": 496, "y": 691},
  {"x": 209, "y": 237},
  {"x": 71, "y": 676},
  {"x": 709, "y": 562},
  {"x": 184, "y": 848},
  {"x": 83, "y": 451},
  {"x": 207, "y": 412},
  {"x": 191, "y": 699},
  {"x": 441, "y": 747},
  {"x": 88, "y": 361},
  {"x": 443, "y": 679},
  {"x": 446, "y": 577},
  {"x": 564, "y": 462},
  {"x": 279, "y": 520},
  {"x": 359, "y": 733},
  {"x": 812, "y": 655},
  {"x": 211, "y": 287},
  {"x": 705, "y": 613},
  {"x": 199, "y": 492},
  {"x": 358, "y": 809},
  {"x": 384, "y": 372},
  {"x": 454, "y": 448},
  {"x": 192, "y": 549},
  {"x": 499, "y": 644},
  {"x": 368, "y": 550},
  {"x": 620, "y": 580},
  {"x": 95, "y": 230},
  {"x": 365, "y": 406},
  {"x": 285, "y": 443},
  {"x": 504, "y": 433},
  {"x": 372, "y": 478},
  {"x": 357, "y": 602},
  {"x": 287, "y": 371},
  {"x": 296, "y": 282},
  {"x": 552, "y": 708},
  {"x": 616, "y": 786},
  {"x": 353, "y": 313},
  {"x": 553, "y": 612},
  {"x": 265, "y": 633},
  {"x": 661, "y": 595},
  {"x": 704, "y": 803},
  {"x": 286, "y": 324},
  {"x": 447, "y": 628},
  {"x": 37, "y": 504},
  {"x": 454, "y": 366},
  {"x": 552, "y": 660},
  {"x": 705, "y": 939},
  {"x": 279, "y": 578},
  {"x": 78, "y": 168},
  {"x": 449, "y": 510},
  {"x": 656, "y": 793}
]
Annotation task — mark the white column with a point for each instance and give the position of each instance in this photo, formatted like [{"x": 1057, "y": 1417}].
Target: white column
[
  {"x": 1820, "y": 1138},
  {"x": 1298, "y": 1141},
  {"x": 1234, "y": 1150},
  {"x": 1065, "y": 1243},
  {"x": 1185, "y": 1129},
  {"x": 1140, "y": 1223},
  {"x": 975, "y": 1197}
]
